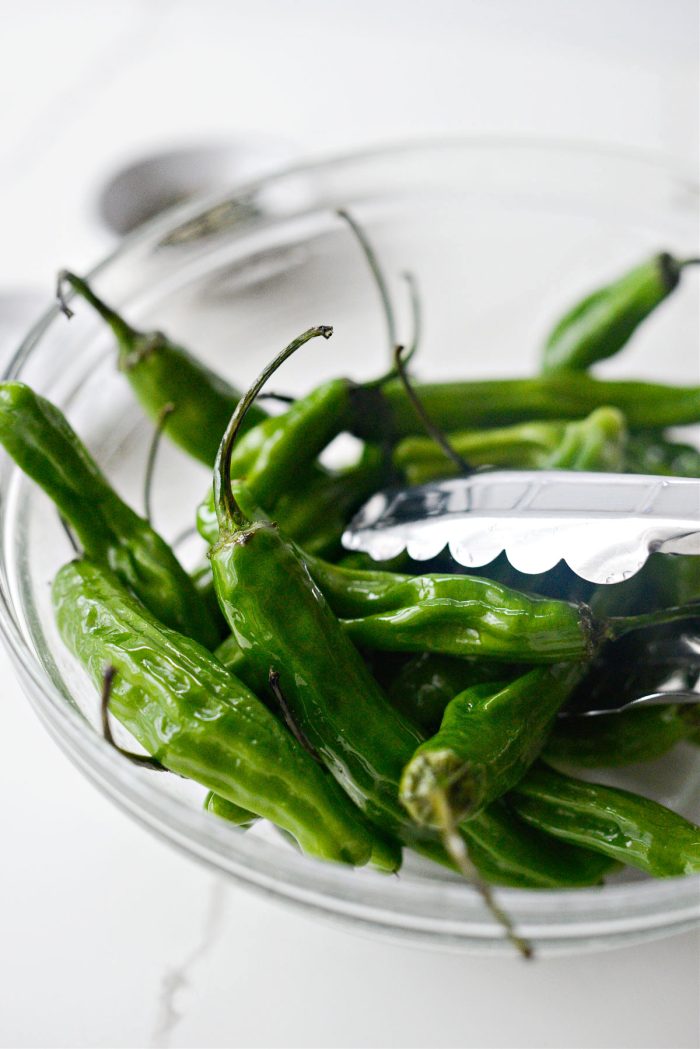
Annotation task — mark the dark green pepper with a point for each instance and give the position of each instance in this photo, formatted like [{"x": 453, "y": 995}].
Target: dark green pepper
[
  {"x": 39, "y": 439},
  {"x": 615, "y": 822},
  {"x": 422, "y": 687},
  {"x": 467, "y": 616},
  {"x": 160, "y": 373},
  {"x": 198, "y": 720},
  {"x": 499, "y": 402},
  {"x": 280, "y": 619},
  {"x": 651, "y": 453},
  {"x": 600, "y": 325},
  {"x": 490, "y": 735},
  {"x": 621, "y": 737}
]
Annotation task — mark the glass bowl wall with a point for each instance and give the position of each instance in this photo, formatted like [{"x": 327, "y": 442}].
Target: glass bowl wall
[{"x": 500, "y": 236}]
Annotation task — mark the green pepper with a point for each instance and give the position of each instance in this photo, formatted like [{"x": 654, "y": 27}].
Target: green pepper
[
  {"x": 507, "y": 851},
  {"x": 621, "y": 737},
  {"x": 651, "y": 453},
  {"x": 160, "y": 373},
  {"x": 226, "y": 810},
  {"x": 615, "y": 822},
  {"x": 40, "y": 440},
  {"x": 422, "y": 687},
  {"x": 198, "y": 720},
  {"x": 279, "y": 618},
  {"x": 490, "y": 735},
  {"x": 315, "y": 510},
  {"x": 594, "y": 443},
  {"x": 499, "y": 402},
  {"x": 600, "y": 325},
  {"x": 467, "y": 616}
]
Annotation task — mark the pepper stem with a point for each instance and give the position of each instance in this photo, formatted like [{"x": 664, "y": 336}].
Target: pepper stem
[
  {"x": 144, "y": 760},
  {"x": 377, "y": 273},
  {"x": 123, "y": 331},
  {"x": 617, "y": 626},
  {"x": 431, "y": 428},
  {"x": 456, "y": 848},
  {"x": 227, "y": 509},
  {"x": 416, "y": 314},
  {"x": 161, "y": 421}
]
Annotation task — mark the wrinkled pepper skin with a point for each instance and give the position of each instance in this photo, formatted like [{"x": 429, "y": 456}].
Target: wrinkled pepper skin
[
  {"x": 595, "y": 443},
  {"x": 161, "y": 373},
  {"x": 455, "y": 615},
  {"x": 422, "y": 688},
  {"x": 509, "y": 852},
  {"x": 280, "y": 620},
  {"x": 196, "y": 719},
  {"x": 40, "y": 440},
  {"x": 601, "y": 324},
  {"x": 619, "y": 824},
  {"x": 489, "y": 736},
  {"x": 624, "y": 738}
]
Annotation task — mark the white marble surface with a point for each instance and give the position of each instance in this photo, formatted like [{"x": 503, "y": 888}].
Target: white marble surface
[{"x": 107, "y": 936}]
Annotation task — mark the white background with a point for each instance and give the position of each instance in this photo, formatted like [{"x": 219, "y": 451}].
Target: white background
[{"x": 107, "y": 937}]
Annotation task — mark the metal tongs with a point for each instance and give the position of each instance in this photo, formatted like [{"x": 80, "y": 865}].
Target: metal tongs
[{"x": 604, "y": 526}]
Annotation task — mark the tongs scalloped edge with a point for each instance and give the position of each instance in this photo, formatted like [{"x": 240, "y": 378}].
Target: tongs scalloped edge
[{"x": 604, "y": 526}]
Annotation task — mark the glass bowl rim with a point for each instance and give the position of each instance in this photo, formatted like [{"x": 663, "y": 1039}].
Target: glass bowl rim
[{"x": 258, "y": 863}]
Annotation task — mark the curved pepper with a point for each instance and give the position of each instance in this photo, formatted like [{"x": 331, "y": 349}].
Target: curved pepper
[
  {"x": 621, "y": 738},
  {"x": 594, "y": 443},
  {"x": 160, "y": 373},
  {"x": 616, "y": 822},
  {"x": 199, "y": 721},
  {"x": 489, "y": 736},
  {"x": 600, "y": 325},
  {"x": 38, "y": 437}
]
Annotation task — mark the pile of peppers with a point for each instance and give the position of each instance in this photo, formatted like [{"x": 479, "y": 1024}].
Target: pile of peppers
[{"x": 366, "y": 709}]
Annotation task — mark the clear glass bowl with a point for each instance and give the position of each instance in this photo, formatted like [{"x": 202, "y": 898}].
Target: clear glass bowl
[{"x": 501, "y": 235}]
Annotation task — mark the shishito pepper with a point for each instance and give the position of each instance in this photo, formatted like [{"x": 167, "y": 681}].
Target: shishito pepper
[
  {"x": 600, "y": 325},
  {"x": 467, "y": 616},
  {"x": 489, "y": 736},
  {"x": 198, "y": 720},
  {"x": 595, "y": 443},
  {"x": 621, "y": 737},
  {"x": 619, "y": 824},
  {"x": 423, "y": 686},
  {"x": 160, "y": 373},
  {"x": 281, "y": 621},
  {"x": 38, "y": 437}
]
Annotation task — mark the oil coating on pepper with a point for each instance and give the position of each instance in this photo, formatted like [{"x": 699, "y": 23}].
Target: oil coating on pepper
[{"x": 198, "y": 720}]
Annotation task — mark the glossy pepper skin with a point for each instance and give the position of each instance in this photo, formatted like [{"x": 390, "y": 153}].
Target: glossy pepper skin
[
  {"x": 196, "y": 719},
  {"x": 457, "y": 615},
  {"x": 160, "y": 373},
  {"x": 621, "y": 738},
  {"x": 507, "y": 851},
  {"x": 600, "y": 325},
  {"x": 620, "y": 824},
  {"x": 281, "y": 621},
  {"x": 38, "y": 437},
  {"x": 226, "y": 810},
  {"x": 489, "y": 736},
  {"x": 594, "y": 443},
  {"x": 422, "y": 687},
  {"x": 314, "y": 512}
]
